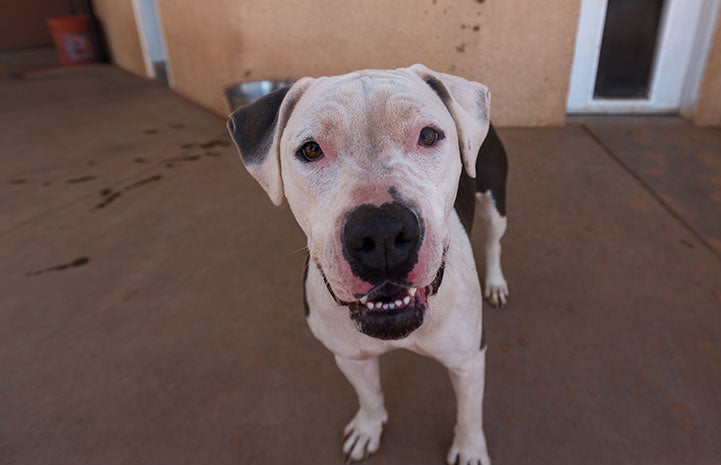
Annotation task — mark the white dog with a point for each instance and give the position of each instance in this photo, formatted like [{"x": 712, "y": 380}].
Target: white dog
[{"x": 377, "y": 167}]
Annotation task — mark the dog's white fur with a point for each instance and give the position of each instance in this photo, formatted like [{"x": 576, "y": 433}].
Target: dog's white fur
[{"x": 367, "y": 124}]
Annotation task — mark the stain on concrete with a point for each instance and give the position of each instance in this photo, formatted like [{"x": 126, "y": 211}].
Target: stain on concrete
[
  {"x": 215, "y": 143},
  {"x": 140, "y": 160},
  {"x": 686, "y": 243},
  {"x": 680, "y": 413},
  {"x": 109, "y": 195},
  {"x": 172, "y": 162},
  {"x": 461, "y": 48},
  {"x": 78, "y": 262},
  {"x": 212, "y": 154},
  {"x": 508, "y": 345},
  {"x": 476, "y": 28},
  {"x": 150, "y": 131},
  {"x": 715, "y": 243},
  {"x": 81, "y": 179},
  {"x": 187, "y": 145},
  {"x": 705, "y": 345},
  {"x": 142, "y": 182},
  {"x": 246, "y": 450},
  {"x": 18, "y": 181},
  {"x": 638, "y": 204}
]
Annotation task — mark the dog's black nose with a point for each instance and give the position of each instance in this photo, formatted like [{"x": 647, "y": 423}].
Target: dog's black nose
[{"x": 381, "y": 243}]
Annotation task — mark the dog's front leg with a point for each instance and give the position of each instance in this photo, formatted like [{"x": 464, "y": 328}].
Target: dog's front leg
[
  {"x": 469, "y": 442},
  {"x": 363, "y": 433},
  {"x": 495, "y": 289}
]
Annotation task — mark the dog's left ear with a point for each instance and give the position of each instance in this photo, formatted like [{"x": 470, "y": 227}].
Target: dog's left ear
[
  {"x": 257, "y": 128},
  {"x": 469, "y": 103}
]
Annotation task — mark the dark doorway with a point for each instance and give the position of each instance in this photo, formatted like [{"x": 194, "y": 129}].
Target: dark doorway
[{"x": 628, "y": 48}]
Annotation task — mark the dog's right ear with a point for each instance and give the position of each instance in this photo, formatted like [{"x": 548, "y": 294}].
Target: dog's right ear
[{"x": 257, "y": 128}]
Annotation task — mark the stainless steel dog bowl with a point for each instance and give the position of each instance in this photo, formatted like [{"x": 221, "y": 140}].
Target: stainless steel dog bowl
[{"x": 243, "y": 93}]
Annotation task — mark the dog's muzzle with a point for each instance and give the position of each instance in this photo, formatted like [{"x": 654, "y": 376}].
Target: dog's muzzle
[{"x": 381, "y": 246}]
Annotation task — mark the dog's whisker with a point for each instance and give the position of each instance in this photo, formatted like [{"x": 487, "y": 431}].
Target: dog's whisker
[{"x": 296, "y": 251}]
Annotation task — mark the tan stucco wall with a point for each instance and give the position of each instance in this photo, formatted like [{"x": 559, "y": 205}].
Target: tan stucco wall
[
  {"x": 521, "y": 49},
  {"x": 118, "y": 22},
  {"x": 708, "y": 107}
]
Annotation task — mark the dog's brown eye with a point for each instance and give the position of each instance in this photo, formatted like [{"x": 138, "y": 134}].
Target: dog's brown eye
[
  {"x": 428, "y": 136},
  {"x": 311, "y": 151}
]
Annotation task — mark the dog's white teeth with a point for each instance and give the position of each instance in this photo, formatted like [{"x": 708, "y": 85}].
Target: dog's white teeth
[{"x": 389, "y": 305}]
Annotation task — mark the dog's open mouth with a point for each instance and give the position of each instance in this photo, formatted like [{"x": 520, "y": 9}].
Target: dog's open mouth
[
  {"x": 391, "y": 311},
  {"x": 389, "y": 297}
]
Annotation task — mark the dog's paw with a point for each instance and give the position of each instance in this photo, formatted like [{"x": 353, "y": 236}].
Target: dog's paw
[
  {"x": 474, "y": 454},
  {"x": 496, "y": 292},
  {"x": 363, "y": 436}
]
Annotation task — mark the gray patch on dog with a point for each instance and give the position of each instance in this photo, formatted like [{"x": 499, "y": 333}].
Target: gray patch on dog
[{"x": 252, "y": 126}]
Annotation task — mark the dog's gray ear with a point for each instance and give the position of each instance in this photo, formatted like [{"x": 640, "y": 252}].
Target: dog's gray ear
[
  {"x": 257, "y": 128},
  {"x": 469, "y": 103}
]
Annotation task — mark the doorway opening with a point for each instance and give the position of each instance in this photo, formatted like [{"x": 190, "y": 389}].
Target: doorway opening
[{"x": 640, "y": 56}]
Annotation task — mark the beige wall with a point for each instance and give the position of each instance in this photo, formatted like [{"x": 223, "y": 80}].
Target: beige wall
[
  {"x": 708, "y": 108},
  {"x": 525, "y": 59},
  {"x": 521, "y": 49},
  {"x": 118, "y": 22}
]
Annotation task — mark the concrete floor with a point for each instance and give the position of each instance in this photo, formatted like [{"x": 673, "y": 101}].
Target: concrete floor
[{"x": 151, "y": 303}]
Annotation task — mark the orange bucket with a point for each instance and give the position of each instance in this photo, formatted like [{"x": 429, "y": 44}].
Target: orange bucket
[{"x": 72, "y": 38}]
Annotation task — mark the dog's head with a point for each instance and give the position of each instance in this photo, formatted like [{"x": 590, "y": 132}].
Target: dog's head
[{"x": 370, "y": 164}]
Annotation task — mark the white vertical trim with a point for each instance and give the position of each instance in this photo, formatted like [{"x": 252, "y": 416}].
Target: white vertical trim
[
  {"x": 699, "y": 58},
  {"x": 150, "y": 33},
  {"x": 660, "y": 53},
  {"x": 585, "y": 58},
  {"x": 163, "y": 44},
  {"x": 149, "y": 70}
]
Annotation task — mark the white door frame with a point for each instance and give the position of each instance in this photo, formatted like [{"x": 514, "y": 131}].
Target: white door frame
[
  {"x": 680, "y": 59},
  {"x": 152, "y": 40}
]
